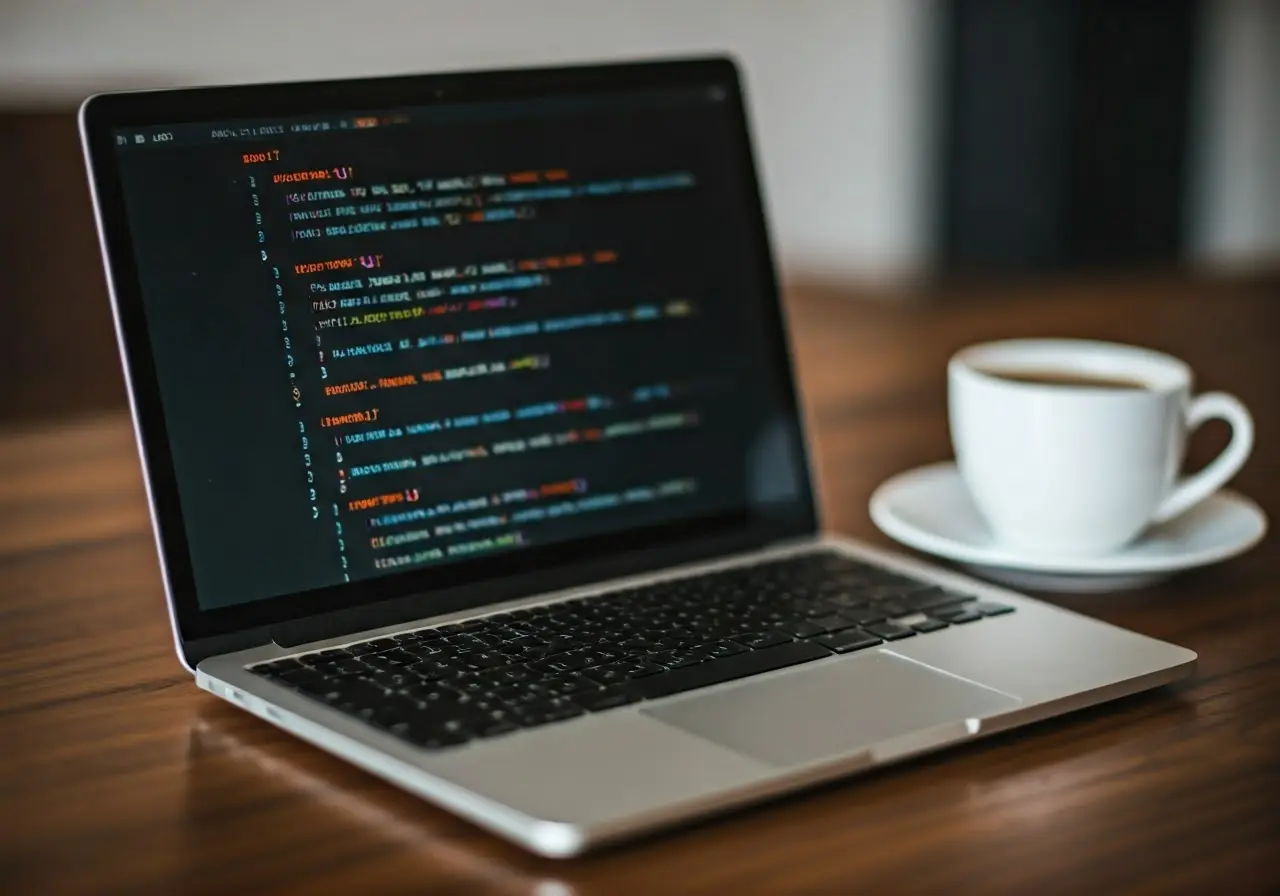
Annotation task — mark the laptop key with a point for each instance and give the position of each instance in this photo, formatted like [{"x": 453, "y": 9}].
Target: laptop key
[
  {"x": 889, "y": 631},
  {"x": 561, "y": 643},
  {"x": 375, "y": 661},
  {"x": 927, "y": 598},
  {"x": 607, "y": 675},
  {"x": 516, "y": 694},
  {"x": 463, "y": 724},
  {"x": 960, "y": 618},
  {"x": 760, "y": 640},
  {"x": 988, "y": 608},
  {"x": 430, "y": 670},
  {"x": 423, "y": 649},
  {"x": 312, "y": 660},
  {"x": 677, "y": 659},
  {"x": 391, "y": 715},
  {"x": 304, "y": 680},
  {"x": 354, "y": 695},
  {"x": 528, "y": 655},
  {"x": 638, "y": 668},
  {"x": 542, "y": 712},
  {"x": 565, "y": 685},
  {"x": 753, "y": 662},
  {"x": 486, "y": 660},
  {"x": 733, "y": 630},
  {"x": 845, "y": 599},
  {"x": 925, "y": 626},
  {"x": 800, "y": 628},
  {"x": 607, "y": 698},
  {"x": 594, "y": 657},
  {"x": 432, "y": 738},
  {"x": 564, "y": 709},
  {"x": 470, "y": 684},
  {"x": 499, "y": 728},
  {"x": 955, "y": 609},
  {"x": 391, "y": 681},
  {"x": 721, "y": 649},
  {"x": 513, "y": 674},
  {"x": 346, "y": 668},
  {"x": 865, "y": 615},
  {"x": 892, "y": 579},
  {"x": 398, "y": 657},
  {"x": 556, "y": 665},
  {"x": 525, "y": 641},
  {"x": 849, "y": 640},
  {"x": 808, "y": 609},
  {"x": 608, "y": 654},
  {"x": 937, "y": 598},
  {"x": 832, "y": 623},
  {"x": 892, "y": 608}
]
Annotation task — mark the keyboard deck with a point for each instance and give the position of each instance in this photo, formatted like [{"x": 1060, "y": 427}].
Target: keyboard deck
[{"x": 443, "y": 686}]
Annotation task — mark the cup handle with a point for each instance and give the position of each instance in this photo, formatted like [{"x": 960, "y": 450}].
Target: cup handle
[{"x": 1194, "y": 489}]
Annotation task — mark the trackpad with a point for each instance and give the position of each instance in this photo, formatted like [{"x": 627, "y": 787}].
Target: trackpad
[{"x": 832, "y": 708}]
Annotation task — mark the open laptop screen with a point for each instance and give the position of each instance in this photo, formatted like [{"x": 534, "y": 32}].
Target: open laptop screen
[{"x": 396, "y": 339}]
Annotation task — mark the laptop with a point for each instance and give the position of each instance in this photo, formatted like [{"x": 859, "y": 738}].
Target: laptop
[{"x": 475, "y": 459}]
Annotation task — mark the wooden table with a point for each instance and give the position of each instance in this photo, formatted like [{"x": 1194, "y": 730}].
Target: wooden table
[{"x": 117, "y": 775}]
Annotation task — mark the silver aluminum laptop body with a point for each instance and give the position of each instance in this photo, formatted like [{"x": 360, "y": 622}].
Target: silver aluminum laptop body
[{"x": 565, "y": 788}]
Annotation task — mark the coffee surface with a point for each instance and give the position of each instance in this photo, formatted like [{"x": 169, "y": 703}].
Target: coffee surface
[{"x": 1072, "y": 378}]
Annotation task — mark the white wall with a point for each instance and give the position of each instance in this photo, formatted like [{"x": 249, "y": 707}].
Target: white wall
[{"x": 838, "y": 86}]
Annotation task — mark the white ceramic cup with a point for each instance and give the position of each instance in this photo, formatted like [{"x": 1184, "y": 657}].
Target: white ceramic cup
[{"x": 1078, "y": 471}]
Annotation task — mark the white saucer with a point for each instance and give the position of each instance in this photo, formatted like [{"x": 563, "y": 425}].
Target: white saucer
[{"x": 929, "y": 509}]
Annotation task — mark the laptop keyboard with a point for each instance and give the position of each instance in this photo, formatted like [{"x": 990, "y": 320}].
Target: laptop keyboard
[{"x": 444, "y": 686}]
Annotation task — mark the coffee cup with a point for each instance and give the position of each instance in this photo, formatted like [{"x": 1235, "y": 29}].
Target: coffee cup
[{"x": 1072, "y": 448}]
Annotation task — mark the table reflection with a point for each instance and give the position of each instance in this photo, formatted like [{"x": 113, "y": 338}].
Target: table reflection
[{"x": 213, "y": 740}]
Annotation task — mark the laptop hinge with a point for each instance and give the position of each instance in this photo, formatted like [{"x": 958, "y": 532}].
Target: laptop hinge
[
  {"x": 394, "y": 612},
  {"x": 353, "y": 619},
  {"x": 293, "y": 634}
]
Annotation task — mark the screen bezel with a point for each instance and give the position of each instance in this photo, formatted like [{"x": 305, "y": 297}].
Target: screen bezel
[{"x": 101, "y": 115}]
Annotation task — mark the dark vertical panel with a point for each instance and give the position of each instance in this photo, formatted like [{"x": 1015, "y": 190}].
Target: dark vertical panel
[
  {"x": 1004, "y": 140},
  {"x": 1129, "y": 126},
  {"x": 1064, "y": 133}
]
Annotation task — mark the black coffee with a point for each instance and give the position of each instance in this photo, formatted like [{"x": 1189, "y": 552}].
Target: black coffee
[{"x": 1067, "y": 378}]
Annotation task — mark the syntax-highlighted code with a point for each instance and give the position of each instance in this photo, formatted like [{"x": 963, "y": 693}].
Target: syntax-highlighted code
[
  {"x": 535, "y": 514},
  {"x": 657, "y": 423},
  {"x": 442, "y": 375}
]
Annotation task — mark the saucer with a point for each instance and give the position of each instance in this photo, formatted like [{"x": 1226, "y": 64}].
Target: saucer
[{"x": 929, "y": 509}]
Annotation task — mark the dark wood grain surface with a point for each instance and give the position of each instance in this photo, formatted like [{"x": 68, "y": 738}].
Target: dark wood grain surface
[{"x": 118, "y": 775}]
